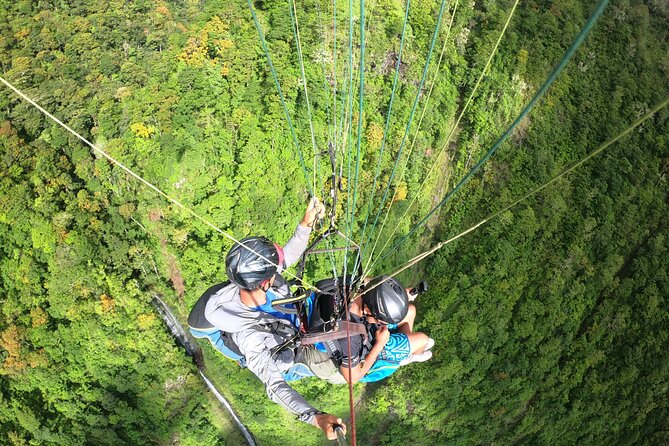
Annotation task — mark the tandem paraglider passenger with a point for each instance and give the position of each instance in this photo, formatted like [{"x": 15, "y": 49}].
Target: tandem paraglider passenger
[
  {"x": 239, "y": 320},
  {"x": 383, "y": 307}
]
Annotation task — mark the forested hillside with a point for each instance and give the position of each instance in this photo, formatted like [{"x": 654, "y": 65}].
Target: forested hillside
[{"x": 551, "y": 321}]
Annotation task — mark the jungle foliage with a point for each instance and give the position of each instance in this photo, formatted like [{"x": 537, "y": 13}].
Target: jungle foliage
[{"x": 551, "y": 322}]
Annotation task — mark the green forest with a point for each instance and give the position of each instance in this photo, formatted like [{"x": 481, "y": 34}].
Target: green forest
[{"x": 551, "y": 320}]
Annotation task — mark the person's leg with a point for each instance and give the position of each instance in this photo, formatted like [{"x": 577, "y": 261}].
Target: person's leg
[
  {"x": 321, "y": 365},
  {"x": 397, "y": 348},
  {"x": 418, "y": 342},
  {"x": 403, "y": 349},
  {"x": 406, "y": 325}
]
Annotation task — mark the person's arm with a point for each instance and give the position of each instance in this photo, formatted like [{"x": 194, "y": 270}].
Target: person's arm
[
  {"x": 315, "y": 210},
  {"x": 259, "y": 360},
  {"x": 358, "y": 371},
  {"x": 252, "y": 344},
  {"x": 298, "y": 243}
]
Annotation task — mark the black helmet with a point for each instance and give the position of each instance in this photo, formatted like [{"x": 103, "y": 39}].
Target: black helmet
[
  {"x": 388, "y": 301},
  {"x": 247, "y": 269}
]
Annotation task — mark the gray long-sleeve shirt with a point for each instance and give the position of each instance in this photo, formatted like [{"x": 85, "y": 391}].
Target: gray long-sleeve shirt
[{"x": 226, "y": 312}]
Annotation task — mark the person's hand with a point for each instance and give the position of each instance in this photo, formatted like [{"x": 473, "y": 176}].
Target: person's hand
[
  {"x": 315, "y": 210},
  {"x": 327, "y": 423},
  {"x": 382, "y": 335}
]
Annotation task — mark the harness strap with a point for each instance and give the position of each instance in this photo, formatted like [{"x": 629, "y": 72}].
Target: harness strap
[
  {"x": 284, "y": 309},
  {"x": 334, "y": 351},
  {"x": 353, "y": 328},
  {"x": 288, "y": 300}
]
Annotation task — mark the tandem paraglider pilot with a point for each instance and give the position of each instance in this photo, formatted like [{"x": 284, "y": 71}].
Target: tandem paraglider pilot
[{"x": 238, "y": 318}]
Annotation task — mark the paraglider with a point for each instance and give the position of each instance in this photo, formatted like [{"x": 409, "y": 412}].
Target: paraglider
[{"x": 284, "y": 328}]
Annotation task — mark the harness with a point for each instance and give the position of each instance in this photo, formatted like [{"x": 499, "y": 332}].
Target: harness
[{"x": 326, "y": 326}]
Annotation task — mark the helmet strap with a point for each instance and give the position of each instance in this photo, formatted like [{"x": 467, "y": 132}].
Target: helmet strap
[{"x": 264, "y": 285}]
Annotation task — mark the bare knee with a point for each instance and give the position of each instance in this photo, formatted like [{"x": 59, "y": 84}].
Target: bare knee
[
  {"x": 418, "y": 342},
  {"x": 411, "y": 315}
]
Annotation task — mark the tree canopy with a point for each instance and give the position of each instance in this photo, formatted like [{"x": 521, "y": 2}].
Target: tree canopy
[{"x": 551, "y": 322}]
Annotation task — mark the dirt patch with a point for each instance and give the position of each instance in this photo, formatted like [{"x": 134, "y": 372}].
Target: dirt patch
[
  {"x": 173, "y": 268},
  {"x": 155, "y": 214},
  {"x": 390, "y": 62},
  {"x": 520, "y": 132}
]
